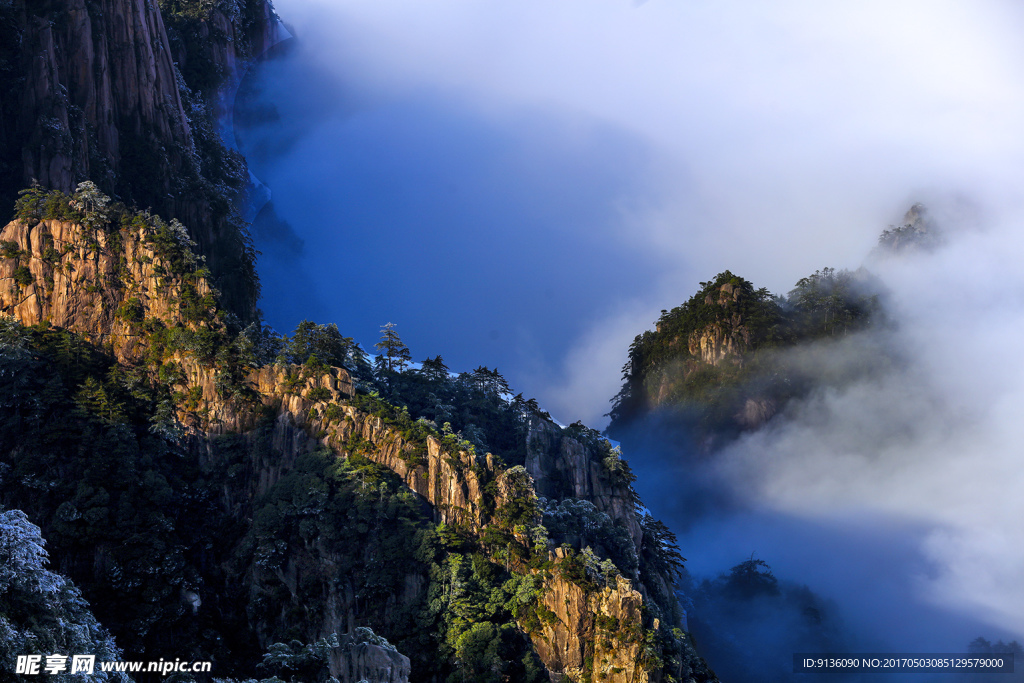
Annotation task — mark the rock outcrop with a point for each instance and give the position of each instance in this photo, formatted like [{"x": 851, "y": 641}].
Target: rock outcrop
[
  {"x": 725, "y": 339},
  {"x": 562, "y": 467},
  {"x": 596, "y": 633},
  {"x": 89, "y": 90},
  {"x": 365, "y": 657},
  {"x": 100, "y": 76},
  {"x": 86, "y": 280}
]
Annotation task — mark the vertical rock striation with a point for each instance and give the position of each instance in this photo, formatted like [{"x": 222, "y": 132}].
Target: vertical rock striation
[{"x": 89, "y": 90}]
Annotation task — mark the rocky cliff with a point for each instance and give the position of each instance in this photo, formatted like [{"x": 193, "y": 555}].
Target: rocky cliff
[
  {"x": 720, "y": 364},
  {"x": 89, "y": 90},
  {"x": 563, "y": 467},
  {"x": 726, "y": 339},
  {"x": 129, "y": 283},
  {"x": 100, "y": 284},
  {"x": 705, "y": 342},
  {"x": 100, "y": 77},
  {"x": 594, "y": 632},
  {"x": 137, "y": 368}
]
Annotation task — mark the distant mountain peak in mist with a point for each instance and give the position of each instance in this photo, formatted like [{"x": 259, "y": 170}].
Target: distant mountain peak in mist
[{"x": 918, "y": 232}]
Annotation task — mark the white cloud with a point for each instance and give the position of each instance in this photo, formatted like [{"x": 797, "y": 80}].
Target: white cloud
[{"x": 936, "y": 440}]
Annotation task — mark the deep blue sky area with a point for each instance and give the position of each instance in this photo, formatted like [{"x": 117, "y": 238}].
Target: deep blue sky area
[{"x": 488, "y": 242}]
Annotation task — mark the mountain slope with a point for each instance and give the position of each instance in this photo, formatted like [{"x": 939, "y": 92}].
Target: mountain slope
[{"x": 258, "y": 502}]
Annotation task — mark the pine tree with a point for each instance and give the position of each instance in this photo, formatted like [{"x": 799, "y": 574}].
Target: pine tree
[{"x": 394, "y": 352}]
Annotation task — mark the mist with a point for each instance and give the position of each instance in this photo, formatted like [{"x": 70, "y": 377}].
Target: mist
[
  {"x": 892, "y": 489},
  {"x": 934, "y": 442},
  {"x": 527, "y": 184}
]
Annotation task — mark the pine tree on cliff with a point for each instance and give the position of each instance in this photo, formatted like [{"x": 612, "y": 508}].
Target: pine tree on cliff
[{"x": 395, "y": 355}]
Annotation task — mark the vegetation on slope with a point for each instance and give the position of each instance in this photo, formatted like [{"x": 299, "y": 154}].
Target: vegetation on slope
[
  {"x": 751, "y": 330},
  {"x": 188, "y": 546}
]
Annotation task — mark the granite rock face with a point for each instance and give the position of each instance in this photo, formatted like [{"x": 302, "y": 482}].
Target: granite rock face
[
  {"x": 90, "y": 90},
  {"x": 76, "y": 278},
  {"x": 562, "y": 467},
  {"x": 100, "y": 78},
  {"x": 365, "y": 656},
  {"x": 603, "y": 625}
]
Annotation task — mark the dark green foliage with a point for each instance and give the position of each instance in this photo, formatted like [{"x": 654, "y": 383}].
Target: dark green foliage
[
  {"x": 576, "y": 569},
  {"x": 318, "y": 394},
  {"x": 748, "y": 623},
  {"x": 258, "y": 343},
  {"x": 579, "y": 524},
  {"x": 205, "y": 344},
  {"x": 196, "y": 308},
  {"x": 9, "y": 249},
  {"x": 475, "y": 405},
  {"x": 394, "y": 356},
  {"x": 661, "y": 373},
  {"x": 128, "y": 515},
  {"x": 326, "y": 507},
  {"x": 749, "y": 580},
  {"x": 37, "y": 203},
  {"x": 659, "y": 548},
  {"x": 521, "y": 509},
  {"x": 617, "y": 470},
  {"x": 23, "y": 276},
  {"x": 131, "y": 310},
  {"x": 171, "y": 373},
  {"x": 326, "y": 344},
  {"x": 41, "y": 612},
  {"x": 474, "y": 606},
  {"x": 831, "y": 302},
  {"x": 323, "y": 509},
  {"x": 299, "y": 663}
]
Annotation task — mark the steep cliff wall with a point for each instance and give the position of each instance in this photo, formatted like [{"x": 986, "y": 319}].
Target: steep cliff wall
[
  {"x": 563, "y": 467},
  {"x": 594, "y": 633},
  {"x": 94, "y": 282},
  {"x": 213, "y": 44},
  {"x": 89, "y": 90},
  {"x": 100, "y": 79}
]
